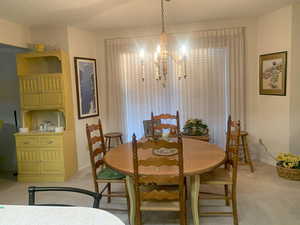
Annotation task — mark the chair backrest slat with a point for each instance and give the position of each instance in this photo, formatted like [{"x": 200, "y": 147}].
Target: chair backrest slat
[
  {"x": 174, "y": 129},
  {"x": 98, "y": 151},
  {"x": 164, "y": 116},
  {"x": 159, "y": 180},
  {"x": 96, "y": 139},
  {"x": 93, "y": 127},
  {"x": 99, "y": 163},
  {"x": 158, "y": 162},
  {"x": 164, "y": 126},
  {"x": 156, "y": 144},
  {"x": 159, "y": 195}
]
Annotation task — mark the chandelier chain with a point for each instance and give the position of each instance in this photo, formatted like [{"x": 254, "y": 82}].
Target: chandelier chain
[{"x": 163, "y": 15}]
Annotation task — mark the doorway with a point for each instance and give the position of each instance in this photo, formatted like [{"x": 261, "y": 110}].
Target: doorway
[{"x": 9, "y": 106}]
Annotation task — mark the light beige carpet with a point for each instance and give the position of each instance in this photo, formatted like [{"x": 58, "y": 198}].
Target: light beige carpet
[{"x": 263, "y": 198}]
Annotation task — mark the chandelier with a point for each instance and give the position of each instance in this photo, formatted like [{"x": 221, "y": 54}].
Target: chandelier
[{"x": 162, "y": 56}]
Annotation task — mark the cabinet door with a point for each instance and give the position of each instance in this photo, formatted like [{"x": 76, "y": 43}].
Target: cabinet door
[
  {"x": 30, "y": 92},
  {"x": 52, "y": 161},
  {"x": 29, "y": 161},
  {"x": 52, "y": 91}
]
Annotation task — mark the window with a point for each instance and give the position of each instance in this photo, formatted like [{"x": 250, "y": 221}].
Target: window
[{"x": 204, "y": 94}]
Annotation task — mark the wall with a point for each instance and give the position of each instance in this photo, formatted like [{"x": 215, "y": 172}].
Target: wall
[
  {"x": 52, "y": 37},
  {"x": 81, "y": 44},
  {"x": 9, "y": 102},
  {"x": 14, "y": 34},
  {"x": 271, "y": 114},
  {"x": 294, "y": 84}
]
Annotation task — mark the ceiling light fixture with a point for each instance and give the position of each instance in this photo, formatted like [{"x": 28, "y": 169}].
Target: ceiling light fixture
[{"x": 162, "y": 55}]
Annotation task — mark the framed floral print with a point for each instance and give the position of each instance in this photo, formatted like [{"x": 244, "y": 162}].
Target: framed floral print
[
  {"x": 272, "y": 74},
  {"x": 86, "y": 87}
]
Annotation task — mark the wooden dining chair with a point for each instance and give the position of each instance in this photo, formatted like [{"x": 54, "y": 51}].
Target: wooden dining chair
[
  {"x": 226, "y": 176},
  {"x": 157, "y": 128},
  {"x": 158, "y": 193},
  {"x": 101, "y": 173}
]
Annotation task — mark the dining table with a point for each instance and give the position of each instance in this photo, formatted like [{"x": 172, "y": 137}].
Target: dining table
[
  {"x": 198, "y": 157},
  {"x": 55, "y": 215}
]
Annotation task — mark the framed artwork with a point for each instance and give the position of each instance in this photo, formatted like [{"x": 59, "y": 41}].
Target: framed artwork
[
  {"x": 272, "y": 74},
  {"x": 86, "y": 87}
]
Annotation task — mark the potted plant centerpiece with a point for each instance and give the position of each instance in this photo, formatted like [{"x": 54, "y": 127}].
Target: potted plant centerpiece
[
  {"x": 288, "y": 166},
  {"x": 195, "y": 127}
]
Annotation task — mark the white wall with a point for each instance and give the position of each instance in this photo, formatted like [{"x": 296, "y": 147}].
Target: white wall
[
  {"x": 52, "y": 37},
  {"x": 81, "y": 44},
  {"x": 294, "y": 83},
  {"x": 14, "y": 34},
  {"x": 271, "y": 114}
]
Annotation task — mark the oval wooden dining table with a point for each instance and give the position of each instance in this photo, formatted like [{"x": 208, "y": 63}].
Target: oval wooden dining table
[{"x": 199, "y": 157}]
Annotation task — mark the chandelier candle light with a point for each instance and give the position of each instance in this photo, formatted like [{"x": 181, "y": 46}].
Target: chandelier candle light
[{"x": 162, "y": 56}]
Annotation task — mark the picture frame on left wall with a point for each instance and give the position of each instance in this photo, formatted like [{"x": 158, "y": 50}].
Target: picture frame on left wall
[{"x": 86, "y": 87}]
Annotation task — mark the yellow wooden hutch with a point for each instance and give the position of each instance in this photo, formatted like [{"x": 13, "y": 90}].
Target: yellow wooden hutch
[{"x": 44, "y": 154}]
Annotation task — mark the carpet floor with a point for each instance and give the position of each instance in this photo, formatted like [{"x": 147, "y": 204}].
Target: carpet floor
[{"x": 263, "y": 198}]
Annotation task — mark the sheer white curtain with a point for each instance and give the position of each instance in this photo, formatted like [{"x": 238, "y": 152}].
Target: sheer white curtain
[{"x": 213, "y": 89}]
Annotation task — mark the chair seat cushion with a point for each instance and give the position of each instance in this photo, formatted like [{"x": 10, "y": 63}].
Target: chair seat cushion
[
  {"x": 109, "y": 174},
  {"x": 217, "y": 176}
]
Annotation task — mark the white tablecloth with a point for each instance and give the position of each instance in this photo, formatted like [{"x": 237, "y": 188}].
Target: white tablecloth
[{"x": 44, "y": 215}]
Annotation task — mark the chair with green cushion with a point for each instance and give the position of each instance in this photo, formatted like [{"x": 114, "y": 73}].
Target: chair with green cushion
[{"x": 102, "y": 173}]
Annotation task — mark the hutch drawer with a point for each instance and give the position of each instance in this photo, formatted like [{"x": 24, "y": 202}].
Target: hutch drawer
[
  {"x": 27, "y": 141},
  {"x": 50, "y": 141}
]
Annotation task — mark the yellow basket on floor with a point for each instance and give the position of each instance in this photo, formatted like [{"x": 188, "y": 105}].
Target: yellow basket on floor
[{"x": 287, "y": 173}]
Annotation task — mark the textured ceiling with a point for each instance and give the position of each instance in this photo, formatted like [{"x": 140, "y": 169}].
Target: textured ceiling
[{"x": 114, "y": 14}]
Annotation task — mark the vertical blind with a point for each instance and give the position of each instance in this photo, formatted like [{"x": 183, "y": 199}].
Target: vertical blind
[{"x": 213, "y": 89}]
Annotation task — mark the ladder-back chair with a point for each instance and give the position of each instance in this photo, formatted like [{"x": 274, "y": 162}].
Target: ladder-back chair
[
  {"x": 101, "y": 173},
  {"x": 157, "y": 128},
  {"x": 155, "y": 192},
  {"x": 226, "y": 176}
]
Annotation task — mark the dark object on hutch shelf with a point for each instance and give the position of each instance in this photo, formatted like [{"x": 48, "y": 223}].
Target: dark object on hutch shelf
[{"x": 16, "y": 120}]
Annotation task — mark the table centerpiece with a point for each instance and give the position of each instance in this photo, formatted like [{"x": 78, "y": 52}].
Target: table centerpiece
[{"x": 195, "y": 127}]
